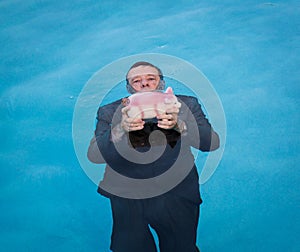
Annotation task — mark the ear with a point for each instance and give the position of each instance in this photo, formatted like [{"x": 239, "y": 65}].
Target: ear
[
  {"x": 161, "y": 85},
  {"x": 169, "y": 90},
  {"x": 130, "y": 88}
]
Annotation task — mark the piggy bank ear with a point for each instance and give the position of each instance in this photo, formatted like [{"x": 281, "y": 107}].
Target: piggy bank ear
[{"x": 169, "y": 90}]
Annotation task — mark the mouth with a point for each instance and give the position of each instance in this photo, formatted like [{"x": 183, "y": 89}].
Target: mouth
[{"x": 146, "y": 89}]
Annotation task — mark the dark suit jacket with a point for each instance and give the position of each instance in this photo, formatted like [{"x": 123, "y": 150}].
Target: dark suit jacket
[{"x": 199, "y": 134}]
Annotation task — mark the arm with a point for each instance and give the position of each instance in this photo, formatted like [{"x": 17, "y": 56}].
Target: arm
[
  {"x": 94, "y": 154},
  {"x": 102, "y": 137},
  {"x": 112, "y": 129},
  {"x": 194, "y": 118},
  {"x": 127, "y": 124},
  {"x": 107, "y": 119},
  {"x": 190, "y": 122}
]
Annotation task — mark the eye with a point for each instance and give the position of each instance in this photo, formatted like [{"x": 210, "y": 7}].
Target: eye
[
  {"x": 151, "y": 79},
  {"x": 135, "y": 81}
]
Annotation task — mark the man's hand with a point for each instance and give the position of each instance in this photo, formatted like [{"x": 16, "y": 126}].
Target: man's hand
[
  {"x": 127, "y": 124},
  {"x": 169, "y": 119},
  {"x": 130, "y": 124}
]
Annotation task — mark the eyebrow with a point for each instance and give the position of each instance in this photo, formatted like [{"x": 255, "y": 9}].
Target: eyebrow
[{"x": 143, "y": 74}]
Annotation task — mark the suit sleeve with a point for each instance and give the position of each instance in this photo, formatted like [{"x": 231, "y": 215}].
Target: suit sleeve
[
  {"x": 101, "y": 136},
  {"x": 107, "y": 118},
  {"x": 200, "y": 133},
  {"x": 94, "y": 154}
]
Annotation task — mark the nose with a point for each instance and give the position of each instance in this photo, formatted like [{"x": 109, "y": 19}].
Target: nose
[{"x": 144, "y": 82}]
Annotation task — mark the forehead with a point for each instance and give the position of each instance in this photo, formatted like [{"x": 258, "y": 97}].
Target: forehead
[{"x": 142, "y": 70}]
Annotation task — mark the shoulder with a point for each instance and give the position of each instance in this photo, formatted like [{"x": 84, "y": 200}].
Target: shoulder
[
  {"x": 187, "y": 99},
  {"x": 108, "y": 110},
  {"x": 111, "y": 106}
]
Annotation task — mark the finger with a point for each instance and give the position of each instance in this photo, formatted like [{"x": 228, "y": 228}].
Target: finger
[
  {"x": 134, "y": 121},
  {"x": 168, "y": 119},
  {"x": 125, "y": 109},
  {"x": 165, "y": 117},
  {"x": 166, "y": 124},
  {"x": 134, "y": 128},
  {"x": 130, "y": 125},
  {"x": 124, "y": 112},
  {"x": 137, "y": 120}
]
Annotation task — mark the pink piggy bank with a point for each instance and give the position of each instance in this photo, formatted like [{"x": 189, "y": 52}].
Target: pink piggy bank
[{"x": 150, "y": 104}]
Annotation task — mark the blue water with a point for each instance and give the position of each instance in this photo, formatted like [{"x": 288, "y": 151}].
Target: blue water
[{"x": 249, "y": 50}]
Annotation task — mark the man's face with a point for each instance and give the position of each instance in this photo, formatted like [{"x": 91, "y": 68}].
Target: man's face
[{"x": 143, "y": 78}]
